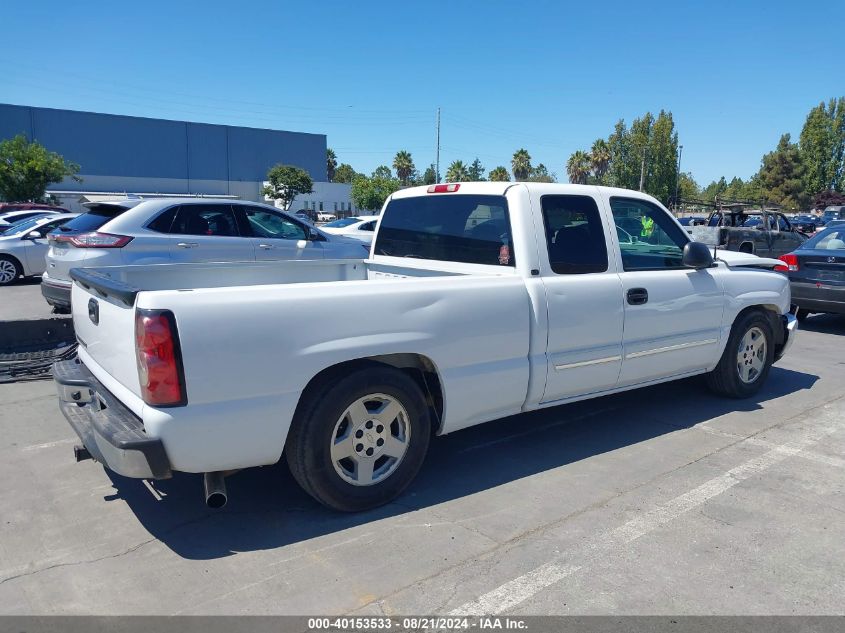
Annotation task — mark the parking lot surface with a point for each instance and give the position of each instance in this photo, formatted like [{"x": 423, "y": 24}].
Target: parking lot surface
[{"x": 667, "y": 500}]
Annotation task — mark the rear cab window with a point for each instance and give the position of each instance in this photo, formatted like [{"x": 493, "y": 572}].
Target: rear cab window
[
  {"x": 574, "y": 234},
  {"x": 470, "y": 229}
]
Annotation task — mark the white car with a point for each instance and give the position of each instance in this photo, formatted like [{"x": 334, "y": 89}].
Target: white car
[
  {"x": 480, "y": 301},
  {"x": 13, "y": 217},
  {"x": 325, "y": 216},
  {"x": 357, "y": 228},
  {"x": 156, "y": 231},
  {"x": 23, "y": 246}
]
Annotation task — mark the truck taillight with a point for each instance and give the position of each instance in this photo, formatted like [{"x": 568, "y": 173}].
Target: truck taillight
[
  {"x": 791, "y": 262},
  {"x": 98, "y": 240},
  {"x": 160, "y": 371},
  {"x": 448, "y": 188}
]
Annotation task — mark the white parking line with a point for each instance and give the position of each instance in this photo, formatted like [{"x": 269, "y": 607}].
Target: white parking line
[
  {"x": 520, "y": 589},
  {"x": 38, "y": 447}
]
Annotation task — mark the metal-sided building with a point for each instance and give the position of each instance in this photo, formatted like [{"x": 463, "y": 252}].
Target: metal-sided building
[{"x": 127, "y": 154}]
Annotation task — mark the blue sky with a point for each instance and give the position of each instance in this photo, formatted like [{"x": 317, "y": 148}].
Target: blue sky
[{"x": 547, "y": 76}]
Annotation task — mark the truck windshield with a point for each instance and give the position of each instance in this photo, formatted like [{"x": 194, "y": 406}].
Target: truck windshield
[{"x": 471, "y": 229}]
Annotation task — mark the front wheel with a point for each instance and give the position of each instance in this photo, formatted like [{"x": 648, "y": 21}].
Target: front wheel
[
  {"x": 10, "y": 270},
  {"x": 358, "y": 444},
  {"x": 747, "y": 358}
]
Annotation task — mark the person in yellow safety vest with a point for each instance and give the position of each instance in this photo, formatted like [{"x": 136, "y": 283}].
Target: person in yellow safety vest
[{"x": 647, "y": 226}]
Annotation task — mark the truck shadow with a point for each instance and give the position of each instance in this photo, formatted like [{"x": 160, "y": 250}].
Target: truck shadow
[
  {"x": 267, "y": 509},
  {"x": 824, "y": 324}
]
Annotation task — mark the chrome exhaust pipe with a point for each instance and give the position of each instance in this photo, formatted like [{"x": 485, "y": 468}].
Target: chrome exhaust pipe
[{"x": 215, "y": 490}]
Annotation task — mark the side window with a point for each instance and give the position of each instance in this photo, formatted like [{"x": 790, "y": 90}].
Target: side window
[
  {"x": 652, "y": 240},
  {"x": 205, "y": 219},
  {"x": 164, "y": 221},
  {"x": 368, "y": 226},
  {"x": 265, "y": 223},
  {"x": 574, "y": 235}
]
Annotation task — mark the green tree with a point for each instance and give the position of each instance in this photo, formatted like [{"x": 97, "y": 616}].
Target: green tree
[
  {"x": 688, "y": 189},
  {"x": 822, "y": 142},
  {"x": 540, "y": 173},
  {"x": 344, "y": 173},
  {"x": 578, "y": 167},
  {"x": 521, "y": 165},
  {"x": 499, "y": 174},
  {"x": 457, "y": 172},
  {"x": 370, "y": 193},
  {"x": 714, "y": 189},
  {"x": 331, "y": 164},
  {"x": 430, "y": 176},
  {"x": 28, "y": 168},
  {"x": 476, "y": 171},
  {"x": 782, "y": 174},
  {"x": 404, "y": 166},
  {"x": 287, "y": 182},
  {"x": 383, "y": 172},
  {"x": 600, "y": 160}
]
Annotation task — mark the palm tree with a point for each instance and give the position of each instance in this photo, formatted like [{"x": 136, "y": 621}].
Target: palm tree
[
  {"x": 521, "y": 164},
  {"x": 331, "y": 164},
  {"x": 457, "y": 172},
  {"x": 499, "y": 174},
  {"x": 578, "y": 167},
  {"x": 404, "y": 166},
  {"x": 600, "y": 159}
]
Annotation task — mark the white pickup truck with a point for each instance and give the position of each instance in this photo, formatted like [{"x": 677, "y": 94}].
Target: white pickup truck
[{"x": 478, "y": 301}]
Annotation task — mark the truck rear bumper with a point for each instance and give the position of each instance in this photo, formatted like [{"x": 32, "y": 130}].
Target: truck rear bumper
[
  {"x": 113, "y": 435},
  {"x": 790, "y": 330}
]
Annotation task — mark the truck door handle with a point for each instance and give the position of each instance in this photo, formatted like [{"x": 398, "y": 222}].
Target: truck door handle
[
  {"x": 187, "y": 244},
  {"x": 637, "y": 296},
  {"x": 266, "y": 247}
]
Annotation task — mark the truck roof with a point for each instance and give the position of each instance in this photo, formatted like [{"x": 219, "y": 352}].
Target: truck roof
[{"x": 499, "y": 188}]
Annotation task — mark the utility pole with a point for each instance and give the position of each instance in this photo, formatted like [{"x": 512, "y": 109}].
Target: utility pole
[
  {"x": 678, "y": 175},
  {"x": 437, "y": 162},
  {"x": 642, "y": 170}
]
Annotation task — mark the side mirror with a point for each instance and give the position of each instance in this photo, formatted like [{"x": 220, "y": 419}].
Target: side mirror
[
  {"x": 33, "y": 235},
  {"x": 697, "y": 255},
  {"x": 314, "y": 236}
]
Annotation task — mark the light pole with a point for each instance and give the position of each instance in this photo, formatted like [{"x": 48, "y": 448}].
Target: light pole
[{"x": 678, "y": 175}]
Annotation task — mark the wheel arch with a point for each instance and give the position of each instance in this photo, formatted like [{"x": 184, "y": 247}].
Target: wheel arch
[{"x": 419, "y": 367}]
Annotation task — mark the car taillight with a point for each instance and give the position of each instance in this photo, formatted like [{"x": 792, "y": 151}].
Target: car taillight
[
  {"x": 450, "y": 188},
  {"x": 160, "y": 371},
  {"x": 98, "y": 240},
  {"x": 791, "y": 262}
]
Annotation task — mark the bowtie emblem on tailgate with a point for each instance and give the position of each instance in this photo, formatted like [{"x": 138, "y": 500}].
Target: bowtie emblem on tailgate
[{"x": 94, "y": 311}]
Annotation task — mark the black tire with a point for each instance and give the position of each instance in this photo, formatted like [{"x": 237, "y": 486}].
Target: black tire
[
  {"x": 308, "y": 448},
  {"x": 5, "y": 260},
  {"x": 725, "y": 378},
  {"x": 801, "y": 314}
]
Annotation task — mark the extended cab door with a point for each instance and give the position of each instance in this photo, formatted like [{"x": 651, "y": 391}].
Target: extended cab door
[
  {"x": 208, "y": 233},
  {"x": 672, "y": 313},
  {"x": 584, "y": 297}
]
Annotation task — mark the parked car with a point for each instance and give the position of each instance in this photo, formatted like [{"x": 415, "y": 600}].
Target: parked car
[
  {"x": 361, "y": 229},
  {"x": 763, "y": 233},
  {"x": 325, "y": 216},
  {"x": 24, "y": 245},
  {"x": 481, "y": 300},
  {"x": 136, "y": 231},
  {"x": 804, "y": 223},
  {"x": 835, "y": 223},
  {"x": 7, "y": 207},
  {"x": 11, "y": 217},
  {"x": 816, "y": 272}
]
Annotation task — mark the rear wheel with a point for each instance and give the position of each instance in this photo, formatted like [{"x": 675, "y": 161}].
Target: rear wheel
[
  {"x": 10, "y": 270},
  {"x": 747, "y": 358},
  {"x": 358, "y": 444}
]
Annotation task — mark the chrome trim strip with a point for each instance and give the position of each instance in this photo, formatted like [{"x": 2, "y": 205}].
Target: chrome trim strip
[
  {"x": 671, "y": 348},
  {"x": 584, "y": 363}
]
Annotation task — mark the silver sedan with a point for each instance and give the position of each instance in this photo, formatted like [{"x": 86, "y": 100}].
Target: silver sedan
[{"x": 23, "y": 246}]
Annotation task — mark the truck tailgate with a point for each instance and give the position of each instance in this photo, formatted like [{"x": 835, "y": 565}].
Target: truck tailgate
[{"x": 104, "y": 320}]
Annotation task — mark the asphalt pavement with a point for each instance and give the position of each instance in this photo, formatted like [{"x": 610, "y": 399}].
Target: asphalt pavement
[{"x": 666, "y": 500}]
